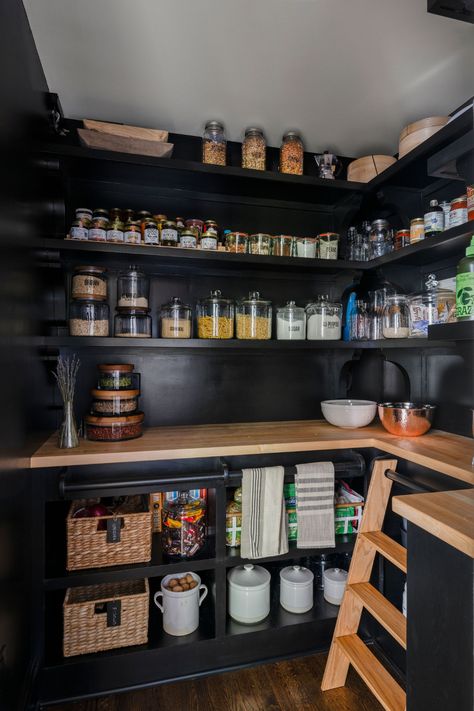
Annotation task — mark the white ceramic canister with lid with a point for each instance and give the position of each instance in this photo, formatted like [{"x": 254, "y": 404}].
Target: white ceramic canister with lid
[
  {"x": 249, "y": 593},
  {"x": 296, "y": 589},
  {"x": 180, "y": 609},
  {"x": 335, "y": 581}
]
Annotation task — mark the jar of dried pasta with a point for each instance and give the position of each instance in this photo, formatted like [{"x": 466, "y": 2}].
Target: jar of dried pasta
[
  {"x": 254, "y": 318},
  {"x": 214, "y": 144},
  {"x": 291, "y": 153},
  {"x": 215, "y": 316},
  {"x": 254, "y": 149}
]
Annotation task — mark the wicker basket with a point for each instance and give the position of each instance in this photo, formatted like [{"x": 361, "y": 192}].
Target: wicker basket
[
  {"x": 87, "y": 538},
  {"x": 107, "y": 616}
]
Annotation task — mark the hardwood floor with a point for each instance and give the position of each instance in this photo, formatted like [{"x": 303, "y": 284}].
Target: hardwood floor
[{"x": 284, "y": 686}]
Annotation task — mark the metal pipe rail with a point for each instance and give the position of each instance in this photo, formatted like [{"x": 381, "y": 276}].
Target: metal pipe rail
[{"x": 407, "y": 483}]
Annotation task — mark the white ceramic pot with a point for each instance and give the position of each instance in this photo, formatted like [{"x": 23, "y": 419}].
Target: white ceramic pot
[
  {"x": 249, "y": 593},
  {"x": 180, "y": 609},
  {"x": 296, "y": 589},
  {"x": 335, "y": 581},
  {"x": 349, "y": 414}
]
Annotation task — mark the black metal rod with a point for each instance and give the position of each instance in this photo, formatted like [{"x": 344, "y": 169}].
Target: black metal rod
[
  {"x": 132, "y": 483},
  {"x": 406, "y": 482},
  {"x": 349, "y": 468}
]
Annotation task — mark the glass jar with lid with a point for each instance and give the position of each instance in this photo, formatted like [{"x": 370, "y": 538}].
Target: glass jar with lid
[
  {"x": 150, "y": 231},
  {"x": 132, "y": 322},
  {"x": 208, "y": 240},
  {"x": 306, "y": 247},
  {"x": 133, "y": 287},
  {"x": 196, "y": 225},
  {"x": 114, "y": 428},
  {"x": 215, "y": 316},
  {"x": 110, "y": 402},
  {"x": 188, "y": 239},
  {"x": 254, "y": 318},
  {"x": 254, "y": 149},
  {"x": 118, "y": 376},
  {"x": 260, "y": 244},
  {"x": 89, "y": 283},
  {"x": 282, "y": 246},
  {"x": 430, "y": 306},
  {"x": 324, "y": 320},
  {"x": 396, "y": 317},
  {"x": 380, "y": 239},
  {"x": 169, "y": 234},
  {"x": 132, "y": 232},
  {"x": 88, "y": 317},
  {"x": 291, "y": 322},
  {"x": 214, "y": 144},
  {"x": 291, "y": 153},
  {"x": 175, "y": 319},
  {"x": 236, "y": 242},
  {"x": 184, "y": 526}
]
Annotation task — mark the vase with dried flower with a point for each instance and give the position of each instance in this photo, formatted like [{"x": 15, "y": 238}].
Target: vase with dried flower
[{"x": 66, "y": 377}]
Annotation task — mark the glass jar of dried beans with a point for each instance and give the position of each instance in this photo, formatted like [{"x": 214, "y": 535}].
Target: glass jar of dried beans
[{"x": 291, "y": 153}]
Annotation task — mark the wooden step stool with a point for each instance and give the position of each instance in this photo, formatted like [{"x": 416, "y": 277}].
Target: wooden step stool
[{"x": 347, "y": 647}]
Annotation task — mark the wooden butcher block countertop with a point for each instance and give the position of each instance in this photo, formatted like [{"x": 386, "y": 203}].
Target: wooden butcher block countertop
[{"x": 441, "y": 451}]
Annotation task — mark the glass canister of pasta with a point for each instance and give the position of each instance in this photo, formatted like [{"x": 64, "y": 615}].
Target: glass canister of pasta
[{"x": 215, "y": 316}]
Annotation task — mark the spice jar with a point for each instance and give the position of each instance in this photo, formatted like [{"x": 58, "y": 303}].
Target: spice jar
[
  {"x": 150, "y": 231},
  {"x": 118, "y": 377},
  {"x": 88, "y": 317},
  {"x": 254, "y": 318},
  {"x": 132, "y": 322},
  {"x": 208, "y": 240},
  {"x": 260, "y": 244},
  {"x": 214, "y": 144},
  {"x": 417, "y": 230},
  {"x": 211, "y": 226},
  {"x": 306, "y": 247},
  {"x": 291, "y": 323},
  {"x": 328, "y": 245},
  {"x": 215, "y": 316},
  {"x": 98, "y": 226},
  {"x": 282, "y": 246},
  {"x": 133, "y": 288},
  {"x": 89, "y": 283},
  {"x": 113, "y": 429},
  {"x": 175, "y": 319},
  {"x": 457, "y": 211},
  {"x": 188, "y": 239},
  {"x": 180, "y": 223},
  {"x": 132, "y": 232},
  {"x": 79, "y": 230},
  {"x": 254, "y": 149},
  {"x": 396, "y": 317},
  {"x": 236, "y": 242},
  {"x": 128, "y": 214},
  {"x": 323, "y": 320},
  {"x": 184, "y": 526},
  {"x": 115, "y": 230},
  {"x": 402, "y": 239},
  {"x": 291, "y": 153},
  {"x": 169, "y": 234},
  {"x": 84, "y": 214},
  {"x": 196, "y": 225},
  {"x": 109, "y": 402}
]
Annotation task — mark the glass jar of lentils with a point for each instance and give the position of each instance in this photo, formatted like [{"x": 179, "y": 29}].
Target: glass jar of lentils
[
  {"x": 214, "y": 144},
  {"x": 291, "y": 153},
  {"x": 88, "y": 317},
  {"x": 254, "y": 149}
]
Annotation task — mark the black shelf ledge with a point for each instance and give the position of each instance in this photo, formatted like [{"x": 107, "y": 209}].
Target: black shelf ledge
[
  {"x": 201, "y": 344},
  {"x": 344, "y": 543},
  {"x": 460, "y": 331}
]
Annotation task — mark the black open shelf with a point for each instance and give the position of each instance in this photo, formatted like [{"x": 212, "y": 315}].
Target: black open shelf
[
  {"x": 460, "y": 331},
  {"x": 343, "y": 543}
]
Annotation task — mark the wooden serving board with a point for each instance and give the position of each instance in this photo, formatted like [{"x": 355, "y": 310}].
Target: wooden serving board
[
  {"x": 122, "y": 144},
  {"x": 121, "y": 129}
]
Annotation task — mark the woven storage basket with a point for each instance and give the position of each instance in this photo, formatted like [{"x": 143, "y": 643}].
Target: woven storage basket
[
  {"x": 87, "y": 545},
  {"x": 87, "y": 616}
]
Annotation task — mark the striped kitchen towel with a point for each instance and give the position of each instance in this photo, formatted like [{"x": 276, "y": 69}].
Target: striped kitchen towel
[
  {"x": 264, "y": 524},
  {"x": 315, "y": 505}
]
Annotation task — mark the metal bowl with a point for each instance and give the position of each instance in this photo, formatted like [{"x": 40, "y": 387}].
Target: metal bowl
[{"x": 406, "y": 419}]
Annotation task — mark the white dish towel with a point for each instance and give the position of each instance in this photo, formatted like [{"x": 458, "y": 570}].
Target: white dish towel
[
  {"x": 315, "y": 505},
  {"x": 264, "y": 522}
]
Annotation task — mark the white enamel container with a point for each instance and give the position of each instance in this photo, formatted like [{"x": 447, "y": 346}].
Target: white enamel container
[
  {"x": 335, "y": 581},
  {"x": 296, "y": 589},
  {"x": 249, "y": 593}
]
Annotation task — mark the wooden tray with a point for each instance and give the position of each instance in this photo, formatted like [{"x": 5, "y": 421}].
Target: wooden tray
[
  {"x": 121, "y": 144},
  {"x": 122, "y": 129}
]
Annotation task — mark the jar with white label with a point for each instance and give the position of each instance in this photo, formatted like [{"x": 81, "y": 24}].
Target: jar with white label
[
  {"x": 150, "y": 231},
  {"x": 291, "y": 322},
  {"x": 175, "y": 319},
  {"x": 188, "y": 239},
  {"x": 208, "y": 240},
  {"x": 434, "y": 220},
  {"x": 328, "y": 245},
  {"x": 132, "y": 232},
  {"x": 457, "y": 211},
  {"x": 323, "y": 320},
  {"x": 169, "y": 234}
]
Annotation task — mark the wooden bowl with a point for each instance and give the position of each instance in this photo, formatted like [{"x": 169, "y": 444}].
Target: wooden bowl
[
  {"x": 368, "y": 167},
  {"x": 419, "y": 131}
]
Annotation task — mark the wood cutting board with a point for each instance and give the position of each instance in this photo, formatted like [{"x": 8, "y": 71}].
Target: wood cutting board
[
  {"x": 121, "y": 129},
  {"x": 122, "y": 144}
]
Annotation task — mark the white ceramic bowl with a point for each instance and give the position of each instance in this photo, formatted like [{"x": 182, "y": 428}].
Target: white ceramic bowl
[{"x": 349, "y": 414}]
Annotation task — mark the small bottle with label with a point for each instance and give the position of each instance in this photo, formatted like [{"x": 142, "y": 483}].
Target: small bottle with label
[
  {"x": 434, "y": 219},
  {"x": 208, "y": 240}
]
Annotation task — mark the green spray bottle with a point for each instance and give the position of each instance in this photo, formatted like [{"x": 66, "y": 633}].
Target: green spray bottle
[{"x": 465, "y": 285}]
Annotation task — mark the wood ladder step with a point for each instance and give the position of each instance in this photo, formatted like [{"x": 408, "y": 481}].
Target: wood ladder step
[
  {"x": 386, "y": 546},
  {"x": 383, "y": 611},
  {"x": 380, "y": 682}
]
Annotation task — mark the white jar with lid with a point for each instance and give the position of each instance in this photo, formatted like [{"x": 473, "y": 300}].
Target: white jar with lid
[
  {"x": 335, "y": 580},
  {"x": 323, "y": 320},
  {"x": 291, "y": 322},
  {"x": 249, "y": 593},
  {"x": 296, "y": 589}
]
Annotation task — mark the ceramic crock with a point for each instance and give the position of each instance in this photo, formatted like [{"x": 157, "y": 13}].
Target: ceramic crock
[
  {"x": 249, "y": 593},
  {"x": 296, "y": 589},
  {"x": 335, "y": 581},
  {"x": 180, "y": 609}
]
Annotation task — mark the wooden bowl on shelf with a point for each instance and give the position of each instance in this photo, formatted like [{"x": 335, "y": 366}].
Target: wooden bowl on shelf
[
  {"x": 419, "y": 131},
  {"x": 366, "y": 168}
]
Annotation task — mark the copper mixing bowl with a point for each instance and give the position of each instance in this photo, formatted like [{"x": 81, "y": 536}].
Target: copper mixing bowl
[{"x": 406, "y": 419}]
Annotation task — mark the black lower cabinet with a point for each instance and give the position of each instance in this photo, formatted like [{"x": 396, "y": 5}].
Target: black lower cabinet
[{"x": 440, "y": 604}]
